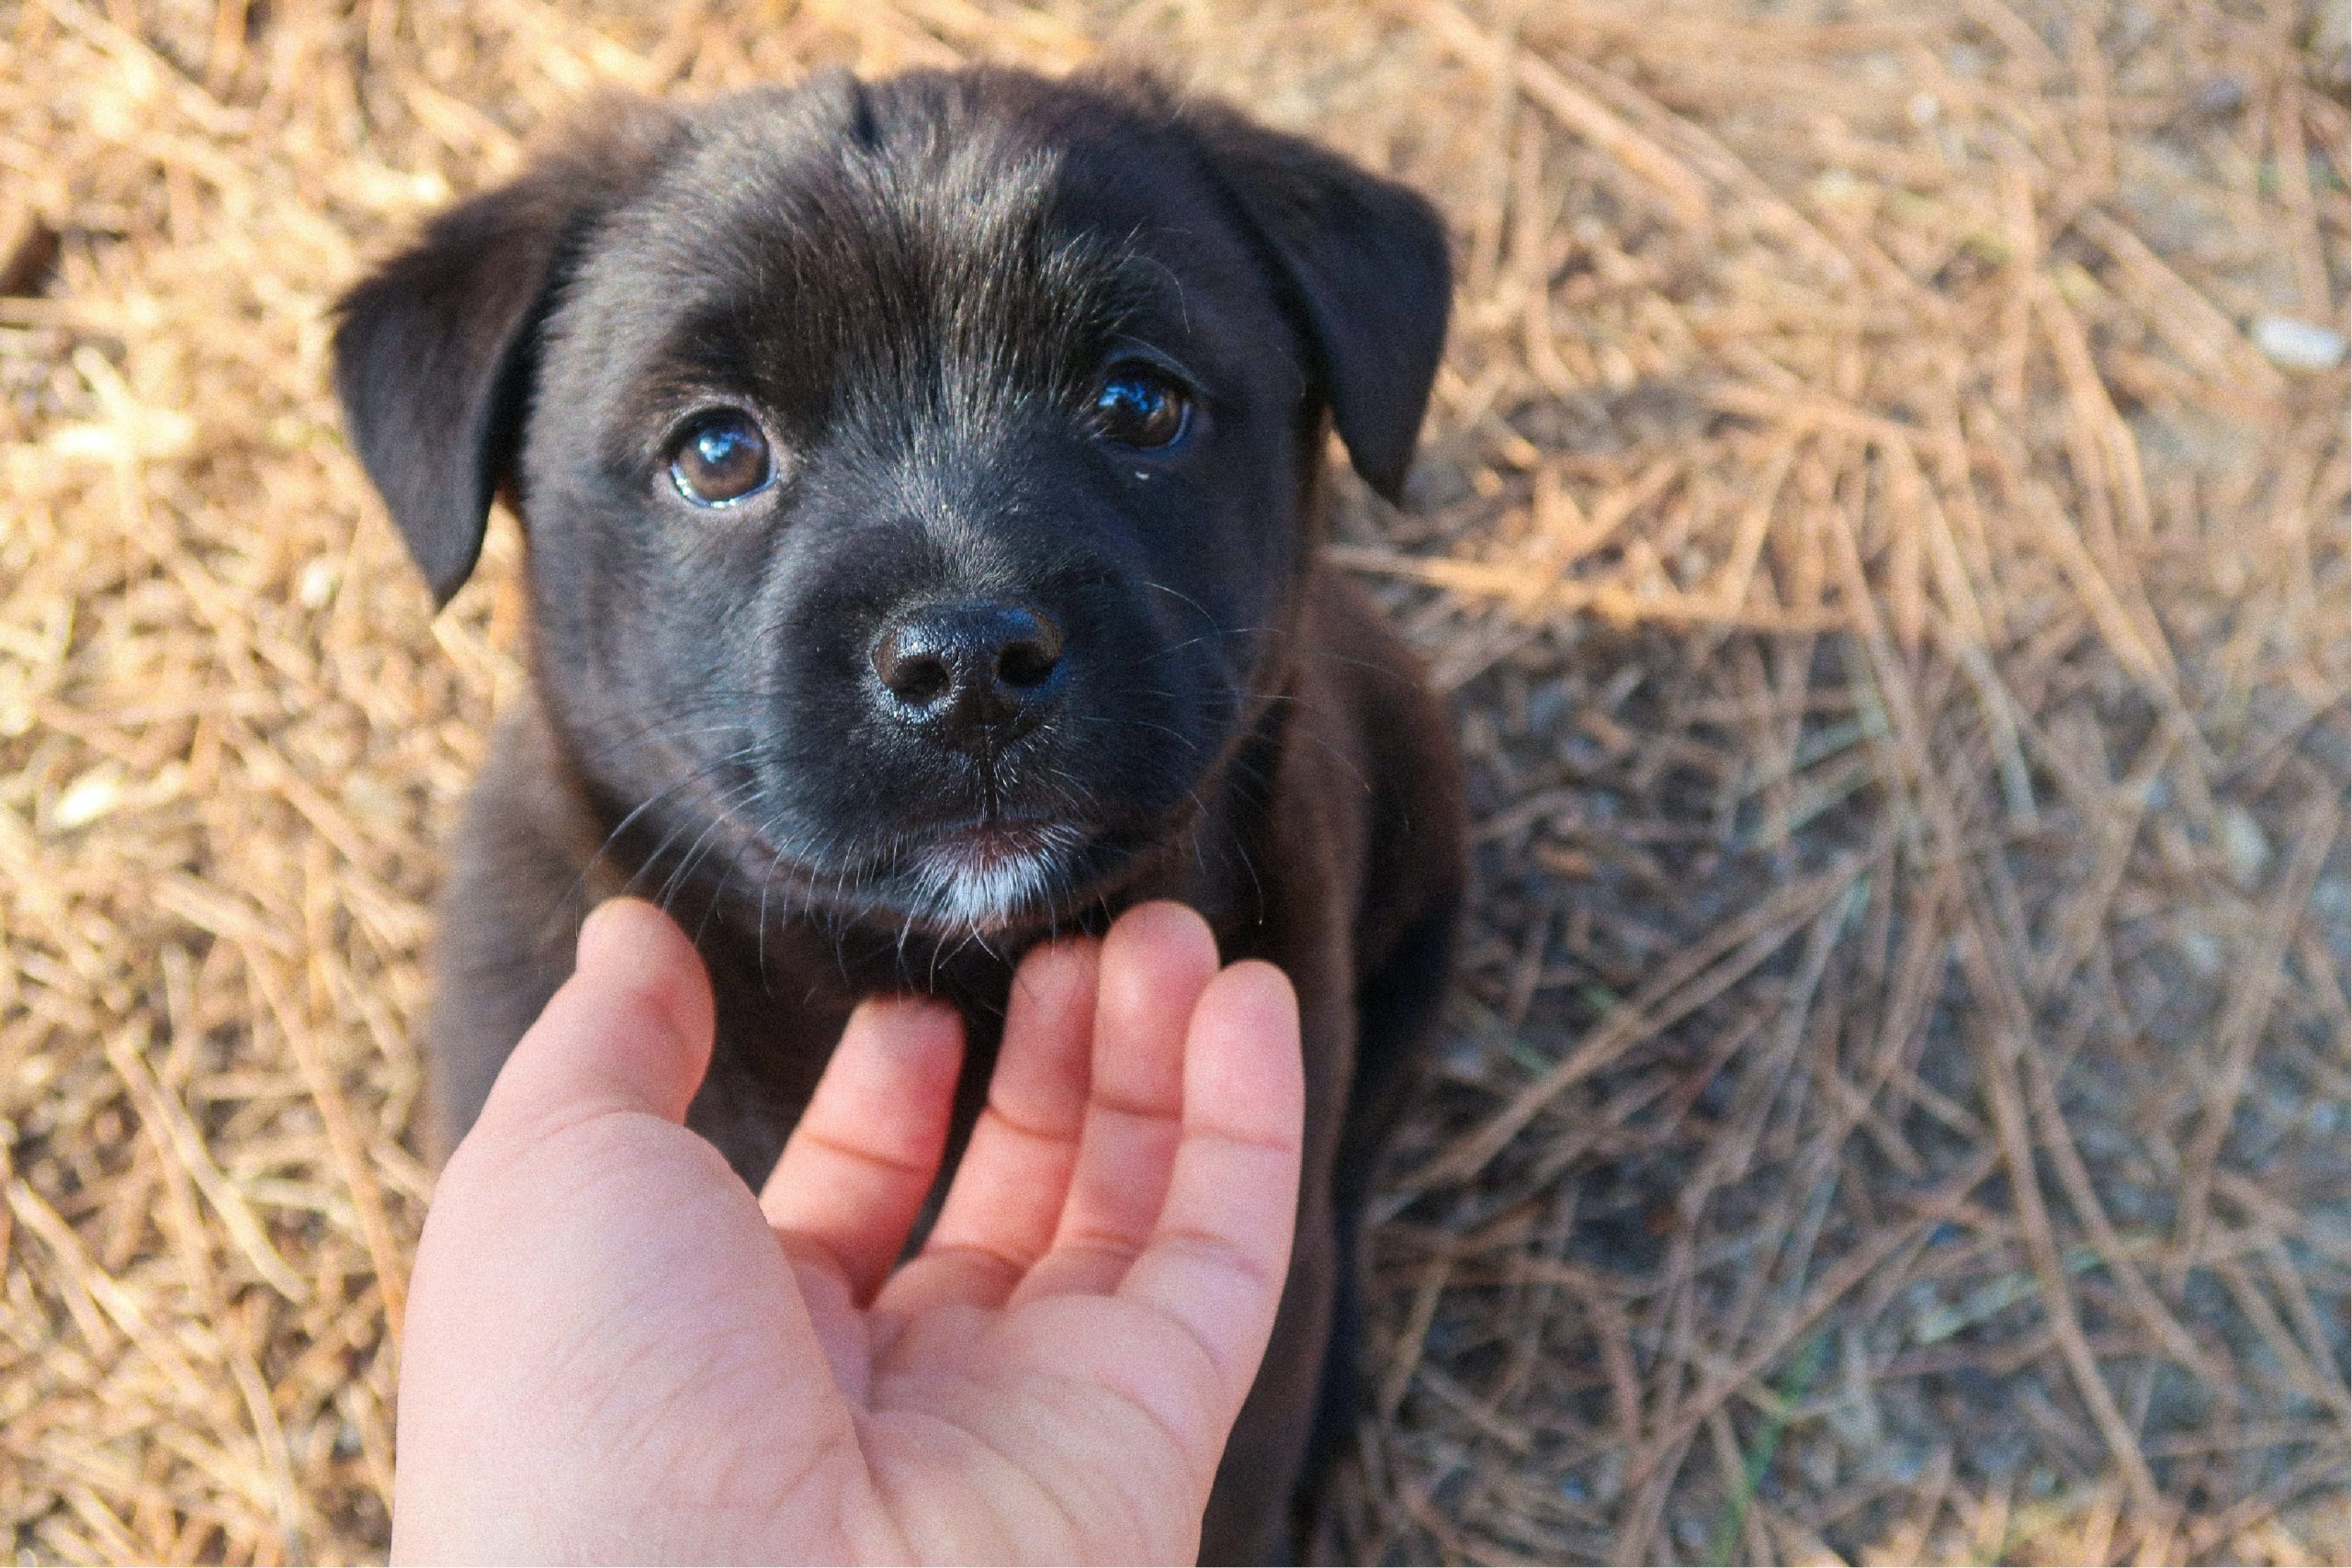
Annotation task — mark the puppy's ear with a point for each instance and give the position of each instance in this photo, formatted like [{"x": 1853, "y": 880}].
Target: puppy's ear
[
  {"x": 1363, "y": 264},
  {"x": 434, "y": 352}
]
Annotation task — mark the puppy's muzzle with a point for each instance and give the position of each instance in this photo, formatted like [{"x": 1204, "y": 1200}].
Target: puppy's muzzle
[{"x": 969, "y": 677}]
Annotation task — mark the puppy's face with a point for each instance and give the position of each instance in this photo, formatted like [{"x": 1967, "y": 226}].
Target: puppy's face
[
  {"x": 918, "y": 477},
  {"x": 926, "y": 498}
]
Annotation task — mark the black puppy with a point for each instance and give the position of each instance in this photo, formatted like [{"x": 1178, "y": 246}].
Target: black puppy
[{"x": 922, "y": 483}]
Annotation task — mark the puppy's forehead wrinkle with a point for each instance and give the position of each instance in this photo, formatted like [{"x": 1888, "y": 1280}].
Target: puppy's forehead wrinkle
[{"x": 920, "y": 275}]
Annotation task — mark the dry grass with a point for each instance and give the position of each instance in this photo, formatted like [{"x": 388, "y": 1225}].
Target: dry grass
[{"x": 1897, "y": 1101}]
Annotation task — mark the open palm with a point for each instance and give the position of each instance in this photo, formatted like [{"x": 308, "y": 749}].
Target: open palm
[{"x": 614, "y": 1352}]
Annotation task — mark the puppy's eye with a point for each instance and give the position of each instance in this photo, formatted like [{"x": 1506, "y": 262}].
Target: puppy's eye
[
  {"x": 1142, "y": 406},
  {"x": 723, "y": 457}
]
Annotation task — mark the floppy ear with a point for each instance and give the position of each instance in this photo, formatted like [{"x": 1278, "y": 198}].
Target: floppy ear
[
  {"x": 434, "y": 352},
  {"x": 1365, "y": 264}
]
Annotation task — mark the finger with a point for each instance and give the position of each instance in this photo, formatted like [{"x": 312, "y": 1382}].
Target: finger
[
  {"x": 1156, "y": 961},
  {"x": 1217, "y": 1255},
  {"x": 1001, "y": 1212},
  {"x": 855, "y": 1171},
  {"x": 630, "y": 1031}
]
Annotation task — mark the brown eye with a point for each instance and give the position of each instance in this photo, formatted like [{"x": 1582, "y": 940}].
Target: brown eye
[
  {"x": 1144, "y": 407},
  {"x": 723, "y": 457}
]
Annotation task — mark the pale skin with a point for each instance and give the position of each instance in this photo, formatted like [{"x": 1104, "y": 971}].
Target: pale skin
[{"x": 614, "y": 1351}]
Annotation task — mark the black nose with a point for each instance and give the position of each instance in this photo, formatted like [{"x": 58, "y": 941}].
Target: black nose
[{"x": 970, "y": 675}]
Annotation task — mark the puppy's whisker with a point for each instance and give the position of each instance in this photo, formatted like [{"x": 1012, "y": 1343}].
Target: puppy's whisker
[
  {"x": 724, "y": 810},
  {"x": 1174, "y": 648},
  {"x": 626, "y": 726},
  {"x": 1178, "y": 594},
  {"x": 578, "y": 884},
  {"x": 690, "y": 779},
  {"x": 1124, "y": 720},
  {"x": 760, "y": 930},
  {"x": 1269, "y": 698}
]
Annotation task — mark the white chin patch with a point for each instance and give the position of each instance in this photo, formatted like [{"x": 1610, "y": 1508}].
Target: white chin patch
[{"x": 979, "y": 881}]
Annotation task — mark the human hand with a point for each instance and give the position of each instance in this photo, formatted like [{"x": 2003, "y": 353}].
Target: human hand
[{"x": 612, "y": 1351}]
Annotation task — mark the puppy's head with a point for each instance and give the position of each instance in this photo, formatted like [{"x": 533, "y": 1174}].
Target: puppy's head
[{"x": 916, "y": 478}]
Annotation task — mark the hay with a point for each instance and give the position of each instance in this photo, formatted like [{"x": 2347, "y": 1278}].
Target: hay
[{"x": 1896, "y": 1102}]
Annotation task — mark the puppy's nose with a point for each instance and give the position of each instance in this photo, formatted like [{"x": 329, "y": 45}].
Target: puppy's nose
[{"x": 970, "y": 675}]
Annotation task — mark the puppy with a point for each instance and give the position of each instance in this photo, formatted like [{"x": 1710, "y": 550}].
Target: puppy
[{"x": 922, "y": 483}]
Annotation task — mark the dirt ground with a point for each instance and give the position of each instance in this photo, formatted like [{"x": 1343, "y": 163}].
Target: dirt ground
[{"x": 1883, "y": 528}]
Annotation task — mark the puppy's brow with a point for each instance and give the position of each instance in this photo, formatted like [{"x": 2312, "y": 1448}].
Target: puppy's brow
[{"x": 899, "y": 280}]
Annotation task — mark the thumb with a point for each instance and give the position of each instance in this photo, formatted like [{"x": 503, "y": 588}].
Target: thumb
[{"x": 630, "y": 1031}]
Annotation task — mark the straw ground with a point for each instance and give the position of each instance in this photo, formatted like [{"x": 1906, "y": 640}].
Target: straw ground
[{"x": 1894, "y": 1104}]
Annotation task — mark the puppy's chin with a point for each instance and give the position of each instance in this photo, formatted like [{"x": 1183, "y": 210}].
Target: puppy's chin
[{"x": 990, "y": 876}]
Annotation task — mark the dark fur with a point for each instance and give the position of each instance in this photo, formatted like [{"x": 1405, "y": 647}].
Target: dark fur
[{"x": 915, "y": 284}]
